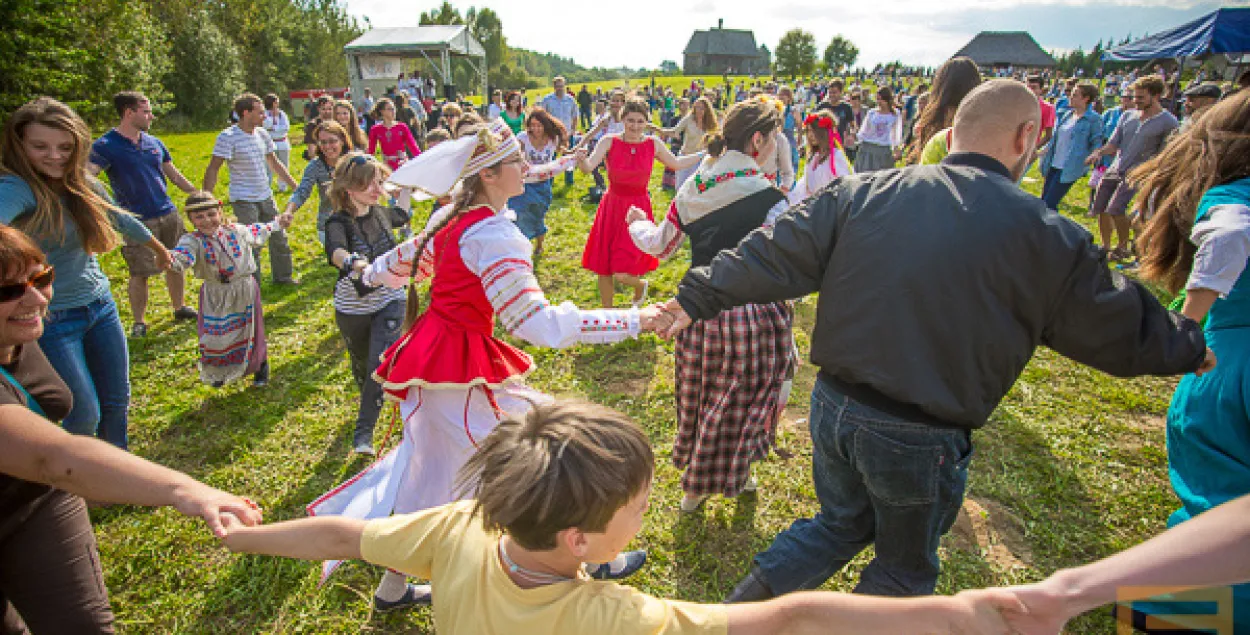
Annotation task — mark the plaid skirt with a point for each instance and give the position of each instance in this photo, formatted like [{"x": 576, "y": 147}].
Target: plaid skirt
[{"x": 729, "y": 373}]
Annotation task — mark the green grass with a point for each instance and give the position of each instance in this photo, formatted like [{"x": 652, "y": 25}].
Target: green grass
[{"x": 1070, "y": 468}]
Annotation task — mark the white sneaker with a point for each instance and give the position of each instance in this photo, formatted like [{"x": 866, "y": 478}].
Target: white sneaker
[
  {"x": 365, "y": 449},
  {"x": 751, "y": 486},
  {"x": 691, "y": 503}
]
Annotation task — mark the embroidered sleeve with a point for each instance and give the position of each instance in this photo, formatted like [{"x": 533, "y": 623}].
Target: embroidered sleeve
[
  {"x": 1223, "y": 241},
  {"x": 497, "y": 252},
  {"x": 548, "y": 170},
  {"x": 662, "y": 241},
  {"x": 183, "y": 254},
  {"x": 257, "y": 234}
]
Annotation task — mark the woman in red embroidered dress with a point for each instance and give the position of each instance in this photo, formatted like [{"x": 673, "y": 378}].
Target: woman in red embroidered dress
[
  {"x": 452, "y": 377},
  {"x": 630, "y": 156}
]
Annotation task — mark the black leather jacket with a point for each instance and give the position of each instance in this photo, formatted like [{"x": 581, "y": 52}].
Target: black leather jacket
[{"x": 937, "y": 283}]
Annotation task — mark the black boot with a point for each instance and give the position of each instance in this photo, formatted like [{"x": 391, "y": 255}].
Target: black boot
[
  {"x": 752, "y": 588},
  {"x": 262, "y": 375}
]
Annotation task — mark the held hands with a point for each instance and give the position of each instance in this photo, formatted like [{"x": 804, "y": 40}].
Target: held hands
[
  {"x": 984, "y": 612},
  {"x": 360, "y": 265},
  {"x": 164, "y": 259},
  {"x": 654, "y": 319},
  {"x": 285, "y": 220},
  {"x": 1208, "y": 363},
  {"x": 679, "y": 320},
  {"x": 216, "y": 507}
]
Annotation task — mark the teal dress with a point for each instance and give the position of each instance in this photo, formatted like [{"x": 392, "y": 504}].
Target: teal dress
[{"x": 1208, "y": 424}]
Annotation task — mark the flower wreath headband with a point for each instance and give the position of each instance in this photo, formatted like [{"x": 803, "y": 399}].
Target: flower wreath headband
[
  {"x": 835, "y": 139},
  {"x": 437, "y": 171}
]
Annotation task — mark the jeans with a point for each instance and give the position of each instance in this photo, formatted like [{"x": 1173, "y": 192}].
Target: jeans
[
  {"x": 880, "y": 479},
  {"x": 249, "y": 212},
  {"x": 1053, "y": 189},
  {"x": 86, "y": 346},
  {"x": 50, "y": 578},
  {"x": 367, "y": 337}
]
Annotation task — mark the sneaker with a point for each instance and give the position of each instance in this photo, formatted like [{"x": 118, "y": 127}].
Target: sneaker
[
  {"x": 262, "y": 375},
  {"x": 139, "y": 330},
  {"x": 415, "y": 595},
  {"x": 752, "y": 588},
  {"x": 186, "y": 313},
  {"x": 633, "y": 562},
  {"x": 690, "y": 503},
  {"x": 364, "y": 448},
  {"x": 751, "y": 487}
]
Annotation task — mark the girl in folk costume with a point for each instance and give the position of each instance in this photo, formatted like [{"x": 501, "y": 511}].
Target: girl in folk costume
[
  {"x": 630, "y": 156},
  {"x": 452, "y": 377},
  {"x": 394, "y": 136},
  {"x": 541, "y": 143},
  {"x": 731, "y": 371},
  {"x": 778, "y": 167},
  {"x": 826, "y": 157},
  {"x": 231, "y": 325}
]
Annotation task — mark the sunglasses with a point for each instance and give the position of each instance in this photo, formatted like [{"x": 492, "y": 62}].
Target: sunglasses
[{"x": 11, "y": 292}]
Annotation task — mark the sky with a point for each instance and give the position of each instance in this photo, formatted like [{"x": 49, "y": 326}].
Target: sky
[{"x": 644, "y": 33}]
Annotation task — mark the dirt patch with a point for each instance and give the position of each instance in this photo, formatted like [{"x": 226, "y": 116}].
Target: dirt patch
[
  {"x": 633, "y": 386},
  {"x": 986, "y": 527}
]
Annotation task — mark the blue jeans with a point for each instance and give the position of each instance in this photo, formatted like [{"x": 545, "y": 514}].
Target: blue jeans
[
  {"x": 86, "y": 346},
  {"x": 879, "y": 479},
  {"x": 1053, "y": 189}
]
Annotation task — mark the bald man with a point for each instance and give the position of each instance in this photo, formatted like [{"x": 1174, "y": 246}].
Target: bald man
[{"x": 936, "y": 284}]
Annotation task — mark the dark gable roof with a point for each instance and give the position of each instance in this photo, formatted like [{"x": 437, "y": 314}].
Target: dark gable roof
[
  {"x": 722, "y": 42},
  {"x": 1000, "y": 48}
]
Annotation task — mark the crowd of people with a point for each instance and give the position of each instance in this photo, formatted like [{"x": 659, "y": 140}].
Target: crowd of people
[{"x": 782, "y": 191}]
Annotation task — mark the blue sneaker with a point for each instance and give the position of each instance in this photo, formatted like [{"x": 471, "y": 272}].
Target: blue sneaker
[
  {"x": 633, "y": 562},
  {"x": 415, "y": 595}
]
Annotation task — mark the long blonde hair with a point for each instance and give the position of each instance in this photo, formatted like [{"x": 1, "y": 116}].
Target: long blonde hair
[
  {"x": 87, "y": 208},
  {"x": 1211, "y": 152},
  {"x": 359, "y": 139}
]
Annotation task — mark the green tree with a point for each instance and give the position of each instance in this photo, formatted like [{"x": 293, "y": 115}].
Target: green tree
[
  {"x": 840, "y": 54},
  {"x": 796, "y": 53},
  {"x": 207, "y": 72},
  {"x": 446, "y": 14}
]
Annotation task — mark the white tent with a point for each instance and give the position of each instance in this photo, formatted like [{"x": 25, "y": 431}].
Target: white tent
[{"x": 375, "y": 59}]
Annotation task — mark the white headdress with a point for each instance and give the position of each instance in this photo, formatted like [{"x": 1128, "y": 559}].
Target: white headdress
[{"x": 437, "y": 171}]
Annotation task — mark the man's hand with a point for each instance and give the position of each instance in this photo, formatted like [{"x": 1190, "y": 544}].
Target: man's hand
[
  {"x": 680, "y": 320},
  {"x": 211, "y": 504}
]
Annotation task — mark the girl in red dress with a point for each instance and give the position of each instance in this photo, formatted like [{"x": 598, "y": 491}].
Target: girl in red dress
[
  {"x": 630, "y": 157},
  {"x": 453, "y": 378}
]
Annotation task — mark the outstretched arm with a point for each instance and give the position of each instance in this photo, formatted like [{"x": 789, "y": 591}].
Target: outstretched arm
[
  {"x": 587, "y": 164},
  {"x": 825, "y": 613},
  {"x": 665, "y": 156},
  {"x": 322, "y": 538}
]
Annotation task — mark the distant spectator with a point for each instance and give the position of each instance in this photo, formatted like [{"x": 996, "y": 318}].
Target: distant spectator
[{"x": 278, "y": 125}]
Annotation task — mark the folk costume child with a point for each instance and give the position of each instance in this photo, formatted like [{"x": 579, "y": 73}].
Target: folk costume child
[
  {"x": 231, "y": 326},
  {"x": 630, "y": 156},
  {"x": 511, "y": 562},
  {"x": 454, "y": 380},
  {"x": 826, "y": 157},
  {"x": 731, "y": 371}
]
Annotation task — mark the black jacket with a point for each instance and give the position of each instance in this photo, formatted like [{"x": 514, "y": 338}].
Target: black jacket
[{"x": 937, "y": 283}]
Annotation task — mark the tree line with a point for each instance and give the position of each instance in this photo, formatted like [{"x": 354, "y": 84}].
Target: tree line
[{"x": 190, "y": 57}]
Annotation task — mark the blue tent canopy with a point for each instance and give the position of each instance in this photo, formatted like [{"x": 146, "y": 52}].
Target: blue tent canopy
[{"x": 1223, "y": 31}]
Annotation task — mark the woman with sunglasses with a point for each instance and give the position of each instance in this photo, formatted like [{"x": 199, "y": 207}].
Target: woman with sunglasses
[
  {"x": 45, "y": 191},
  {"x": 50, "y": 578},
  {"x": 332, "y": 143}
]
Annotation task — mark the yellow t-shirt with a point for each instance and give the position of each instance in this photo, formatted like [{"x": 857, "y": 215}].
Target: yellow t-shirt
[
  {"x": 473, "y": 594},
  {"x": 936, "y": 149}
]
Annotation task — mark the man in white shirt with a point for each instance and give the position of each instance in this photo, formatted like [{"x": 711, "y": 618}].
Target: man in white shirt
[{"x": 247, "y": 148}]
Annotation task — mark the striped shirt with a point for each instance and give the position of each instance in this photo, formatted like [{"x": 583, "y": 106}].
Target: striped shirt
[{"x": 245, "y": 154}]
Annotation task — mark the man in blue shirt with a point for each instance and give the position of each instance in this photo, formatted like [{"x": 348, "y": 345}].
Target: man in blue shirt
[
  {"x": 563, "y": 106},
  {"x": 138, "y": 165}
]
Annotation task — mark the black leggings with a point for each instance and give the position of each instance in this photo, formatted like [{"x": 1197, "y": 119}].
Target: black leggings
[
  {"x": 50, "y": 578},
  {"x": 367, "y": 337}
]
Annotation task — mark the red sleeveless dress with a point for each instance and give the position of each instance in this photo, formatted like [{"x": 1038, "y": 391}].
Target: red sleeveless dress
[
  {"x": 609, "y": 249},
  {"x": 452, "y": 344}
]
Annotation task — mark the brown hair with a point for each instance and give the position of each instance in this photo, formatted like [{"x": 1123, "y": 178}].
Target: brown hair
[
  {"x": 1211, "y": 152},
  {"x": 337, "y": 129},
  {"x": 381, "y": 105},
  {"x": 17, "y": 253},
  {"x": 437, "y": 135},
  {"x": 88, "y": 209},
  {"x": 464, "y": 121},
  {"x": 452, "y": 108},
  {"x": 709, "y": 123},
  {"x": 1152, "y": 84},
  {"x": 270, "y": 100},
  {"x": 952, "y": 82},
  {"x": 638, "y": 105},
  {"x": 127, "y": 100},
  {"x": 1088, "y": 91},
  {"x": 559, "y": 466},
  {"x": 886, "y": 96},
  {"x": 246, "y": 102},
  {"x": 742, "y": 121},
  {"x": 507, "y": 99},
  {"x": 821, "y": 147},
  {"x": 553, "y": 129},
  {"x": 354, "y": 172},
  {"x": 360, "y": 141}
]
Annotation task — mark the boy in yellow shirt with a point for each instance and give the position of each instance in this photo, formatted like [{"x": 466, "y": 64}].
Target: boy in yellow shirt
[{"x": 568, "y": 484}]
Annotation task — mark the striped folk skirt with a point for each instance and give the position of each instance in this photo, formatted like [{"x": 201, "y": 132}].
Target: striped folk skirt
[
  {"x": 231, "y": 329},
  {"x": 729, "y": 372}
]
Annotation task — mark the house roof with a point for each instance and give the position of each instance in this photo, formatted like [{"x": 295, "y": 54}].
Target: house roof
[
  {"x": 1002, "y": 48},
  {"x": 414, "y": 39},
  {"x": 722, "y": 42}
]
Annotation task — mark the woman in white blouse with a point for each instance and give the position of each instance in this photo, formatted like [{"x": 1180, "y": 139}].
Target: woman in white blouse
[
  {"x": 693, "y": 129},
  {"x": 880, "y": 135}
]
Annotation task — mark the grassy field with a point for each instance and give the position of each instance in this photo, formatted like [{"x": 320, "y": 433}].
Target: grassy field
[{"x": 1071, "y": 467}]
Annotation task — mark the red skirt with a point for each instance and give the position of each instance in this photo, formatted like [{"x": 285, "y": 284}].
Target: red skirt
[
  {"x": 437, "y": 353},
  {"x": 729, "y": 372},
  {"x": 609, "y": 249}
]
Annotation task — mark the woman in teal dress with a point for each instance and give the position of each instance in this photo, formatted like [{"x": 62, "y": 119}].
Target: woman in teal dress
[{"x": 1199, "y": 237}]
